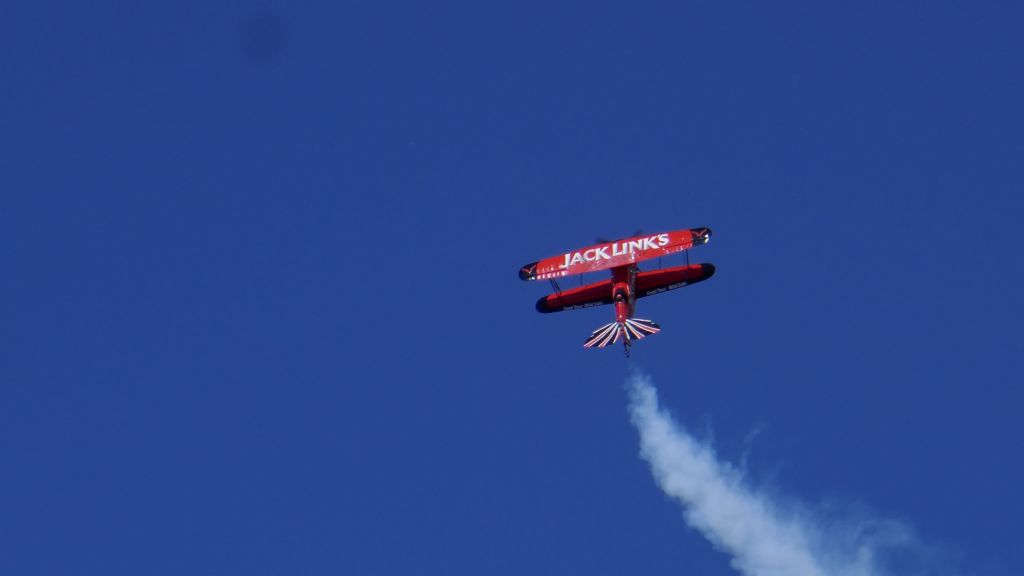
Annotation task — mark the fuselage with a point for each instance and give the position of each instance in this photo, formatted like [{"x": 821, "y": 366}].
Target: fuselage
[{"x": 624, "y": 291}]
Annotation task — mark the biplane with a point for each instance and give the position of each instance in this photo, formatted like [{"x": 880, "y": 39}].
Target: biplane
[{"x": 627, "y": 283}]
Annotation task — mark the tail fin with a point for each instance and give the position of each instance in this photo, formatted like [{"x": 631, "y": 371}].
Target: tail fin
[{"x": 629, "y": 330}]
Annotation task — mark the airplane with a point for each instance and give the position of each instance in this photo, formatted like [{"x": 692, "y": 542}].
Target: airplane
[{"x": 627, "y": 283}]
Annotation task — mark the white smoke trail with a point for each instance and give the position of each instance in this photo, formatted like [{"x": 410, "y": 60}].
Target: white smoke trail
[{"x": 762, "y": 538}]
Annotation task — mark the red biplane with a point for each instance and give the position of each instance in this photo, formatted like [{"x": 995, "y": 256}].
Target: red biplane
[{"x": 627, "y": 283}]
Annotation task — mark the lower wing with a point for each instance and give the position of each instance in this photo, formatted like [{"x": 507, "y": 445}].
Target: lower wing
[
  {"x": 596, "y": 294},
  {"x": 658, "y": 281},
  {"x": 647, "y": 284}
]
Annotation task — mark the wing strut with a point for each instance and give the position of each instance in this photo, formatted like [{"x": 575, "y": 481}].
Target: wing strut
[{"x": 558, "y": 289}]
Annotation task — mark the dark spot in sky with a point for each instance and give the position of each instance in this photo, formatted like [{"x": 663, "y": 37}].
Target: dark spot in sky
[{"x": 263, "y": 37}]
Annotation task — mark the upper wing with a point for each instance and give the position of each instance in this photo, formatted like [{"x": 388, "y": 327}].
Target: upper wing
[
  {"x": 617, "y": 253},
  {"x": 658, "y": 281},
  {"x": 595, "y": 294}
]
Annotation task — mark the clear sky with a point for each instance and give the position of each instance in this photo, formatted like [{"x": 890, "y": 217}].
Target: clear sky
[{"x": 261, "y": 307}]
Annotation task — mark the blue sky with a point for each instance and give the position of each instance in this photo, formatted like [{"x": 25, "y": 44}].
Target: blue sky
[{"x": 263, "y": 314}]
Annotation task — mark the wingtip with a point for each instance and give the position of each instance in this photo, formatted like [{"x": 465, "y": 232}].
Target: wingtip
[
  {"x": 544, "y": 305},
  {"x": 528, "y": 272},
  {"x": 701, "y": 235}
]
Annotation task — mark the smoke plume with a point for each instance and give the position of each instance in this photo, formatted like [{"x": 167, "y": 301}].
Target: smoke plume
[{"x": 762, "y": 536}]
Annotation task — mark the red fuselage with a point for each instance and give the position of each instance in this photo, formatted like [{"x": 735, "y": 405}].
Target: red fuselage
[{"x": 623, "y": 291}]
